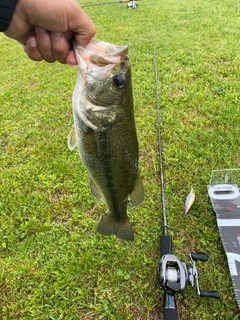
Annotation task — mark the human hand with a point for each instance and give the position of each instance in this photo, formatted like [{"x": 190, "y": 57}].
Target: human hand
[{"x": 45, "y": 28}]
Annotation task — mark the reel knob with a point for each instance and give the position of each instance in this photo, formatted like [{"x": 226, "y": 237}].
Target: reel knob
[{"x": 209, "y": 294}]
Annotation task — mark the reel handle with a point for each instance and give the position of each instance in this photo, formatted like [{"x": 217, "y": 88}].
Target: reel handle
[
  {"x": 209, "y": 294},
  {"x": 199, "y": 256}
]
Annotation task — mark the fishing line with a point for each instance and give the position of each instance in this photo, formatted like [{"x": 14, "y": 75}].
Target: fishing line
[
  {"x": 104, "y": 3},
  {"x": 164, "y": 211}
]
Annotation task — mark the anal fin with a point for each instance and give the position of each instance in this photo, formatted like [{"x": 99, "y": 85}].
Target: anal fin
[
  {"x": 137, "y": 195},
  {"x": 95, "y": 191}
]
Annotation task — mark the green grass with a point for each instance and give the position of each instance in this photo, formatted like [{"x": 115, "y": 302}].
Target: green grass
[{"x": 53, "y": 264}]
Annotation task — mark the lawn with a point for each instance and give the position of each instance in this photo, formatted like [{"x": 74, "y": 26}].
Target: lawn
[{"x": 53, "y": 264}]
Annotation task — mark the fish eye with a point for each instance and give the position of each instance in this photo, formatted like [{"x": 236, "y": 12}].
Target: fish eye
[{"x": 119, "y": 81}]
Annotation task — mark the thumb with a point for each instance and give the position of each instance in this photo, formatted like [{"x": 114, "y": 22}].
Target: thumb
[{"x": 83, "y": 29}]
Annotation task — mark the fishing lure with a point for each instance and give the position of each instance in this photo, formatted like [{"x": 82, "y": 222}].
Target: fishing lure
[{"x": 189, "y": 201}]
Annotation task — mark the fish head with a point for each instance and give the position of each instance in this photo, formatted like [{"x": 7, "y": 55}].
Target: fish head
[{"x": 103, "y": 84}]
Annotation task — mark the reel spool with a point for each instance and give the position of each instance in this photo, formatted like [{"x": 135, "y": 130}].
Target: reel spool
[{"x": 174, "y": 274}]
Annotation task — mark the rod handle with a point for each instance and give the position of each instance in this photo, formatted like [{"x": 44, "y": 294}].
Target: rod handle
[
  {"x": 166, "y": 246},
  {"x": 199, "y": 256},
  {"x": 209, "y": 294},
  {"x": 170, "y": 314}
]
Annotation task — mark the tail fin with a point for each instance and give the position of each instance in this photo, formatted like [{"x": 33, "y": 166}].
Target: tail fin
[{"x": 121, "y": 228}]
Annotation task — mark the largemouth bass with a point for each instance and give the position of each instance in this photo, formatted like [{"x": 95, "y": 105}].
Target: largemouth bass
[{"x": 105, "y": 134}]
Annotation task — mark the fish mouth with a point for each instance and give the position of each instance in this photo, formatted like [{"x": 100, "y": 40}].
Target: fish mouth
[
  {"x": 105, "y": 48},
  {"x": 100, "y": 53}
]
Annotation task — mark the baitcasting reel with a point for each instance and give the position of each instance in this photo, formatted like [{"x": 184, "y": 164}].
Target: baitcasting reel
[
  {"x": 132, "y": 5},
  {"x": 174, "y": 274}
]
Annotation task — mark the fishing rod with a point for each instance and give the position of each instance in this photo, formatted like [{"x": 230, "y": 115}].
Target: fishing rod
[
  {"x": 173, "y": 274},
  {"x": 132, "y": 4}
]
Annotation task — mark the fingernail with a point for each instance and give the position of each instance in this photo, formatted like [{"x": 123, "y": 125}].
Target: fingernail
[
  {"x": 40, "y": 30},
  {"x": 56, "y": 34},
  {"x": 32, "y": 42}
]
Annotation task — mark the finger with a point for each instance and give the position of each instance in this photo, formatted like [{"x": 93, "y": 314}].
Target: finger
[
  {"x": 71, "y": 58},
  {"x": 84, "y": 31},
  {"x": 31, "y": 49},
  {"x": 60, "y": 46},
  {"x": 44, "y": 44}
]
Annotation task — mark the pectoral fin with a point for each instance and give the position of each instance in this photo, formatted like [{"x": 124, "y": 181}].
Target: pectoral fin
[
  {"x": 72, "y": 138},
  {"x": 137, "y": 194},
  {"x": 95, "y": 191}
]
